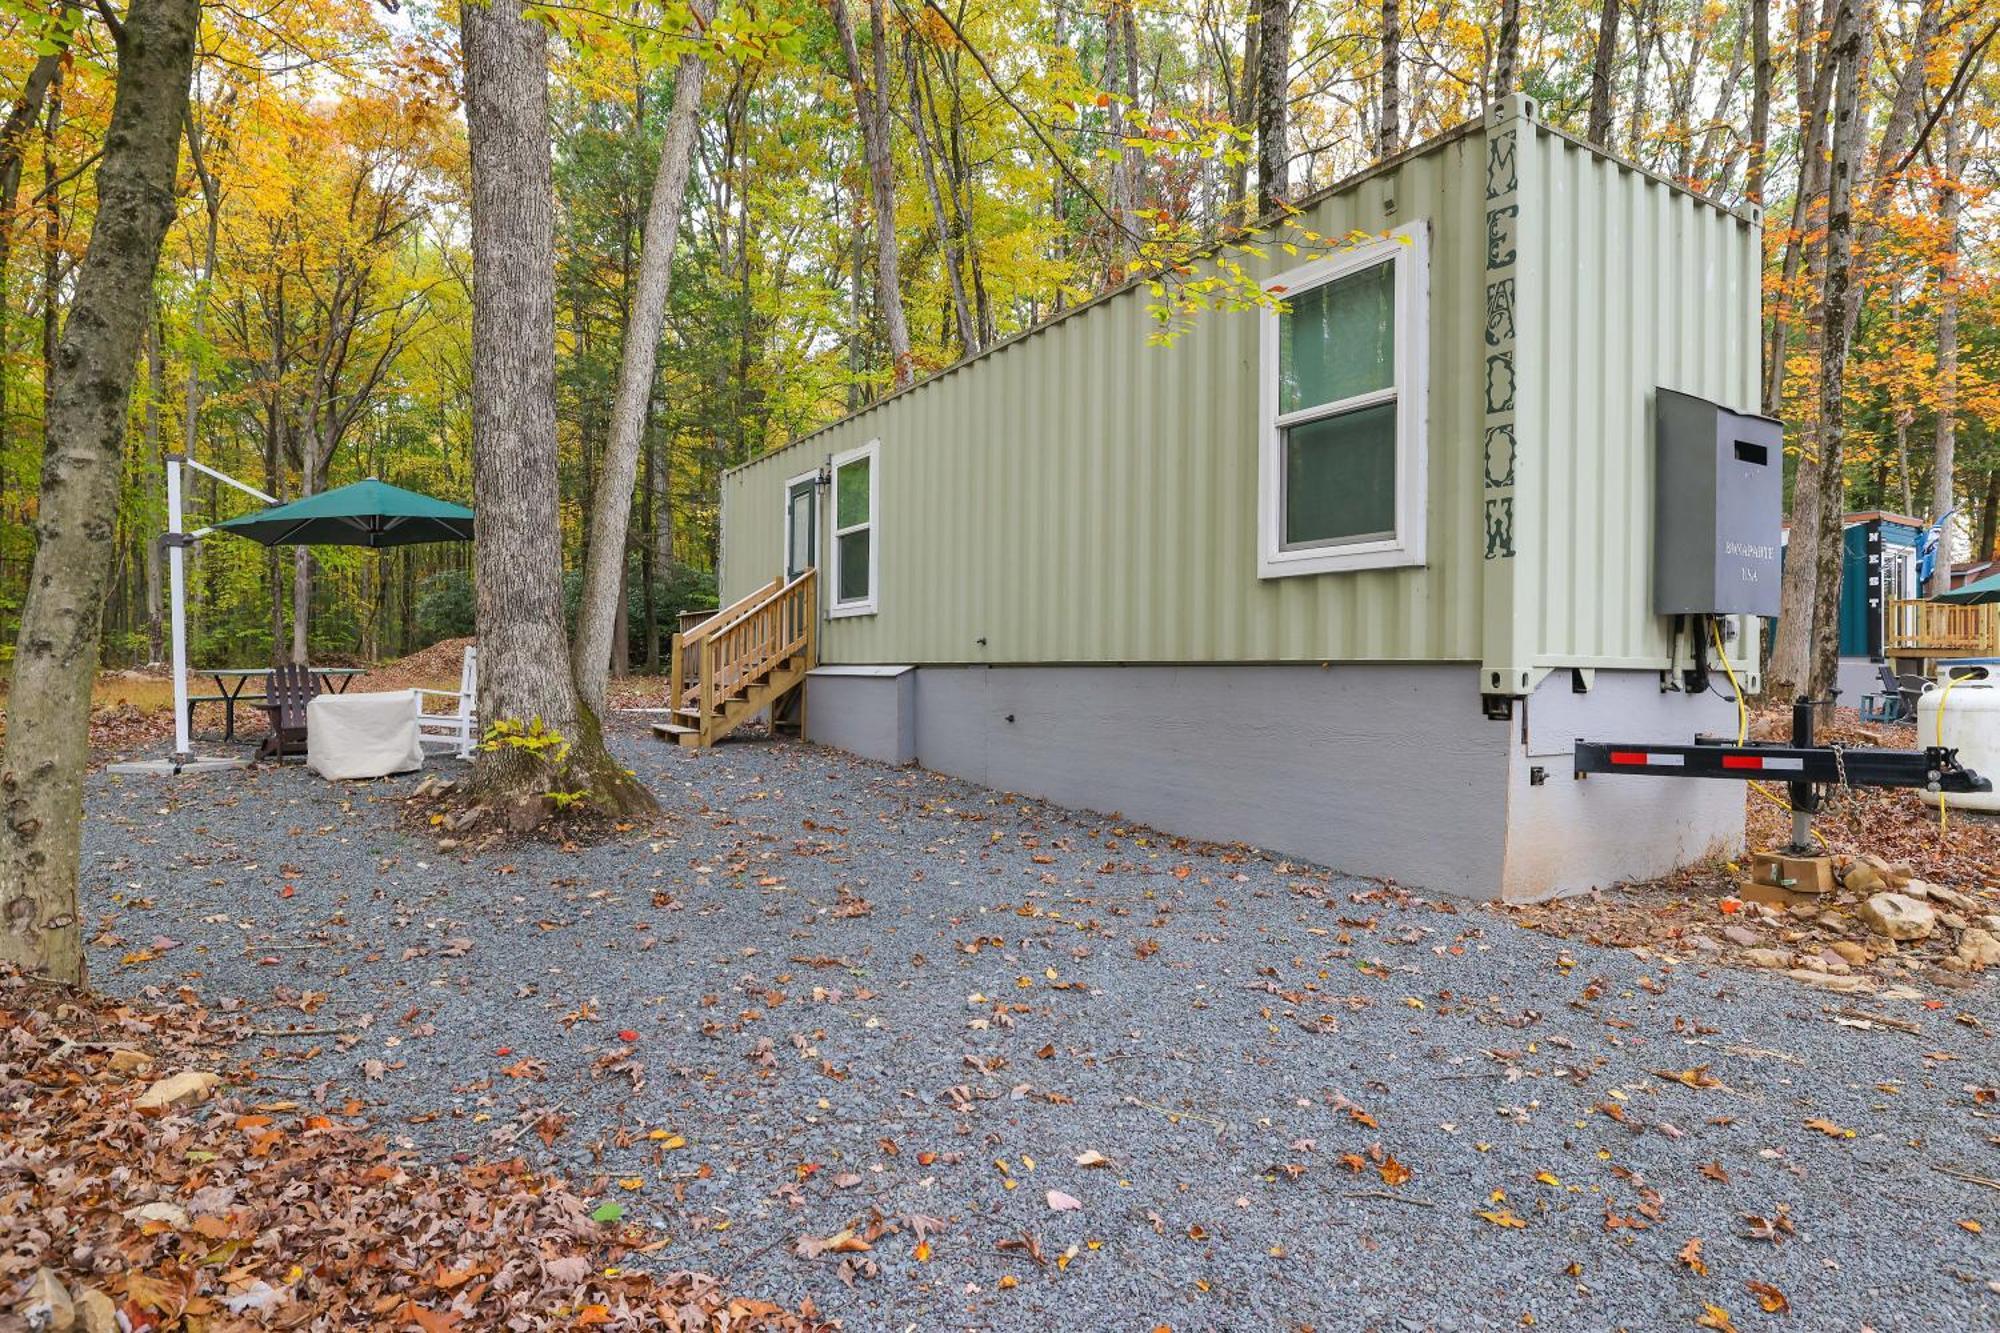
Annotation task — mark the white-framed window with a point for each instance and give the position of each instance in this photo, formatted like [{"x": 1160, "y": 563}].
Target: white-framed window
[
  {"x": 1341, "y": 463},
  {"x": 856, "y": 550}
]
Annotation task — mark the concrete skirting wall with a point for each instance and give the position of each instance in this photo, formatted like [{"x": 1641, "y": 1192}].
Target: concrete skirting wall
[
  {"x": 868, "y": 710},
  {"x": 1381, "y": 770}
]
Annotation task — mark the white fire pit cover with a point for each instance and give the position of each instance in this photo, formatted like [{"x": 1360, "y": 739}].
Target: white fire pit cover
[{"x": 363, "y": 735}]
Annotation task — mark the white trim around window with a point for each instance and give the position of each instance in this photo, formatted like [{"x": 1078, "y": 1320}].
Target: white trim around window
[
  {"x": 872, "y": 526},
  {"x": 1408, "y": 248}
]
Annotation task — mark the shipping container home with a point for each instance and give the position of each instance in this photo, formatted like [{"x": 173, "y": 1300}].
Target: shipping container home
[
  {"x": 1878, "y": 568},
  {"x": 1344, "y": 580}
]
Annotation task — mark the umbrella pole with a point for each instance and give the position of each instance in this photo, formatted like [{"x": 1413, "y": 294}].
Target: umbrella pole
[{"x": 177, "y": 542}]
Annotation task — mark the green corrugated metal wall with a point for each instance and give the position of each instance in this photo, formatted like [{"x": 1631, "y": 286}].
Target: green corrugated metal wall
[
  {"x": 1639, "y": 284},
  {"x": 1078, "y": 496}
]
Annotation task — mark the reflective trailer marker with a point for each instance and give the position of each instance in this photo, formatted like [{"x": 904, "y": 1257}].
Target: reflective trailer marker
[
  {"x": 1648, "y": 758},
  {"x": 1764, "y": 763}
]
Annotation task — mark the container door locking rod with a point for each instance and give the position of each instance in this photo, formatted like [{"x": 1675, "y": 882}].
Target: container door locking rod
[{"x": 1802, "y": 765}]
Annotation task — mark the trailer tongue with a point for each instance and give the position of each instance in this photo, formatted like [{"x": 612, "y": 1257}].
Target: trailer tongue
[{"x": 1802, "y": 764}]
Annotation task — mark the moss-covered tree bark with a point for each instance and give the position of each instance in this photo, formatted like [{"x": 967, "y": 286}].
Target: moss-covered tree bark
[
  {"x": 524, "y": 660},
  {"x": 96, "y": 359}
]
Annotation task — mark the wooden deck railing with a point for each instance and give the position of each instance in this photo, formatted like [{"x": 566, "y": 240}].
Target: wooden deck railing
[
  {"x": 1931, "y": 628},
  {"x": 734, "y": 648}
]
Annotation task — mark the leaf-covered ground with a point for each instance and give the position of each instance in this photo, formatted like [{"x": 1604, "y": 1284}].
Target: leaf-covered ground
[
  {"x": 155, "y": 1175},
  {"x": 930, "y": 1056}
]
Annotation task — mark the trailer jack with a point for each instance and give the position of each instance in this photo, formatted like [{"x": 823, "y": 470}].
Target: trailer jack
[{"x": 1802, "y": 765}]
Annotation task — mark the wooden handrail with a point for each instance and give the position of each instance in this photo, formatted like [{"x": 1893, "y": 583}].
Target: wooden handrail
[
  {"x": 731, "y": 650},
  {"x": 707, "y": 627},
  {"x": 733, "y": 656}
]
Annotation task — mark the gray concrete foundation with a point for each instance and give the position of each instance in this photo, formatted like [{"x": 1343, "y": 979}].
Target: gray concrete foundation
[
  {"x": 868, "y": 710},
  {"x": 1382, "y": 770}
]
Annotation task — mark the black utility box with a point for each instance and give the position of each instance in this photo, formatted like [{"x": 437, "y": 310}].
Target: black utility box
[{"x": 1718, "y": 497}]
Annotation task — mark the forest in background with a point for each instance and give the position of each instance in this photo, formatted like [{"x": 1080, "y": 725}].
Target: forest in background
[{"x": 311, "y": 309}]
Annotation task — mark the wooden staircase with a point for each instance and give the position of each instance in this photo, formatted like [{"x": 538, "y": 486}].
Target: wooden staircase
[{"x": 748, "y": 657}]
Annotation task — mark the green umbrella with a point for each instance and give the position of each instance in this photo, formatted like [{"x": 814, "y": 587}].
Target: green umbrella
[
  {"x": 366, "y": 513},
  {"x": 1973, "y": 594}
]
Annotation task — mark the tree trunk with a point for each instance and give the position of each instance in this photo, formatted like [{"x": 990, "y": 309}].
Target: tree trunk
[
  {"x": 51, "y": 254},
  {"x": 1848, "y": 118},
  {"x": 1989, "y": 517},
  {"x": 1950, "y": 199},
  {"x": 55, "y": 655},
  {"x": 302, "y": 555},
  {"x": 871, "y": 109},
  {"x": 1274, "y": 90},
  {"x": 968, "y": 332},
  {"x": 1760, "y": 99},
  {"x": 1391, "y": 140},
  {"x": 604, "y": 562},
  {"x": 1115, "y": 188},
  {"x": 1507, "y": 53},
  {"x": 1606, "y": 53},
  {"x": 1134, "y": 162},
  {"x": 523, "y": 653},
  {"x": 1250, "y": 79},
  {"x": 1815, "y": 90}
]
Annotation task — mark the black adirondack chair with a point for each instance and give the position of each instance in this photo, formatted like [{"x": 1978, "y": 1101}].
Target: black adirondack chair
[{"x": 287, "y": 691}]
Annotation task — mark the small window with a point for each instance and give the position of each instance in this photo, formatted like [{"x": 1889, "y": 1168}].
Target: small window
[
  {"x": 1342, "y": 465},
  {"x": 854, "y": 545}
]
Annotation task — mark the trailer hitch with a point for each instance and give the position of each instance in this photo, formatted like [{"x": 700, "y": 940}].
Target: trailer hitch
[{"x": 1802, "y": 764}]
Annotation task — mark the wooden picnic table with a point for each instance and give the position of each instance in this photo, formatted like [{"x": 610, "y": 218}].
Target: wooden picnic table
[{"x": 335, "y": 678}]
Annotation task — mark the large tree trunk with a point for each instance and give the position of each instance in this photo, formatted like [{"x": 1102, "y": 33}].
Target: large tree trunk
[
  {"x": 523, "y": 652},
  {"x": 1391, "y": 129},
  {"x": 1598, "y": 130},
  {"x": 611, "y": 513},
  {"x": 55, "y": 653},
  {"x": 871, "y": 109},
  {"x": 1950, "y": 200},
  {"x": 1274, "y": 92},
  {"x": 1848, "y": 118}
]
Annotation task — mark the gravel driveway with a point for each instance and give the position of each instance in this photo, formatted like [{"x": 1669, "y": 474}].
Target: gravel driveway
[{"x": 821, "y": 994}]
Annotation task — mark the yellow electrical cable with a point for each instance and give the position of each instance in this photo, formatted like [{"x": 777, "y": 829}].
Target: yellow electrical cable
[
  {"x": 1743, "y": 722},
  {"x": 1944, "y": 818},
  {"x": 1742, "y": 709}
]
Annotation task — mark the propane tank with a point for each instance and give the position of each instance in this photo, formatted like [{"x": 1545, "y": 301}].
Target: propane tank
[{"x": 1970, "y": 709}]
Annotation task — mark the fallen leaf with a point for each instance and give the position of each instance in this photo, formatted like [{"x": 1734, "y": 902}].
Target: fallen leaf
[
  {"x": 1697, "y": 1077},
  {"x": 1064, "y": 1203},
  {"x": 1502, "y": 1217},
  {"x": 1690, "y": 1256},
  {"x": 1828, "y": 1128},
  {"x": 1715, "y": 1317},
  {"x": 1769, "y": 1297},
  {"x": 176, "y": 1090},
  {"x": 843, "y": 1241}
]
